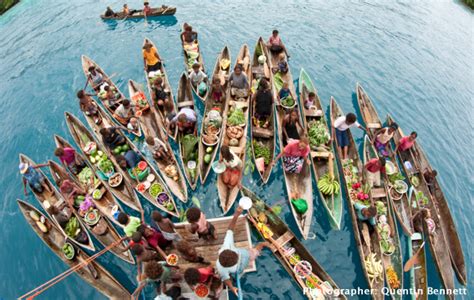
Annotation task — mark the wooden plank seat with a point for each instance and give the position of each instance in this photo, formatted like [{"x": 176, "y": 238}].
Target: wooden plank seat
[
  {"x": 262, "y": 132},
  {"x": 319, "y": 154},
  {"x": 378, "y": 192},
  {"x": 185, "y": 103},
  {"x": 373, "y": 125}
]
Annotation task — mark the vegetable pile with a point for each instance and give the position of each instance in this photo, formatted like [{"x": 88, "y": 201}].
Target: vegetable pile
[
  {"x": 121, "y": 150},
  {"x": 392, "y": 278},
  {"x": 72, "y": 227},
  {"x": 288, "y": 101},
  {"x": 155, "y": 189},
  {"x": 317, "y": 133},
  {"x": 189, "y": 144},
  {"x": 68, "y": 250},
  {"x": 236, "y": 117},
  {"x": 328, "y": 185},
  {"x": 421, "y": 199},
  {"x": 386, "y": 242},
  {"x": 261, "y": 151}
]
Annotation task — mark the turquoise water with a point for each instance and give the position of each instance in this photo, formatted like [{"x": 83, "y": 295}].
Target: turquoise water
[{"x": 414, "y": 60}]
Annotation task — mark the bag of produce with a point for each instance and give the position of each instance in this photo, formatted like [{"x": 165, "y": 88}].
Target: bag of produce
[{"x": 300, "y": 205}]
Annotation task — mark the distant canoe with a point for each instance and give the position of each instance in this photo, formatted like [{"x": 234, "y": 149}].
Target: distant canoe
[{"x": 138, "y": 14}]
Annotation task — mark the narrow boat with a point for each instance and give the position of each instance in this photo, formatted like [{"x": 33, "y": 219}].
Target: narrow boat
[
  {"x": 438, "y": 240},
  {"x": 107, "y": 202},
  {"x": 297, "y": 185},
  {"x": 235, "y": 135},
  {"x": 138, "y": 13},
  {"x": 141, "y": 179},
  {"x": 290, "y": 251},
  {"x": 322, "y": 151},
  {"x": 93, "y": 273},
  {"x": 84, "y": 139},
  {"x": 152, "y": 127},
  {"x": 86, "y": 63},
  {"x": 373, "y": 124},
  {"x": 387, "y": 230},
  {"x": 262, "y": 139},
  {"x": 192, "y": 54},
  {"x": 209, "y": 143},
  {"x": 367, "y": 242},
  {"x": 185, "y": 99},
  {"x": 150, "y": 77},
  {"x": 101, "y": 228},
  {"x": 54, "y": 198}
]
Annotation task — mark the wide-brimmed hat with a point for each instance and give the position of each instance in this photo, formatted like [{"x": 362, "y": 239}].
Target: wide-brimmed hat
[{"x": 23, "y": 167}]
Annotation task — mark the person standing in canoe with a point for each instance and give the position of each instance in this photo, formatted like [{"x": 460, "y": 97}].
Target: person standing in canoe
[
  {"x": 233, "y": 172},
  {"x": 383, "y": 137},
  {"x": 88, "y": 106},
  {"x": 239, "y": 83},
  {"x": 291, "y": 125},
  {"x": 232, "y": 261},
  {"x": 96, "y": 77},
  {"x": 294, "y": 155},
  {"x": 33, "y": 178},
  {"x": 263, "y": 100},
  {"x": 275, "y": 44},
  {"x": 68, "y": 158},
  {"x": 341, "y": 125},
  {"x": 198, "y": 79},
  {"x": 151, "y": 59},
  {"x": 374, "y": 168}
]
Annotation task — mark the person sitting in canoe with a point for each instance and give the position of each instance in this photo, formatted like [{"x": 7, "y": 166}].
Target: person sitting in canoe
[
  {"x": 165, "y": 226},
  {"x": 112, "y": 137},
  {"x": 232, "y": 261},
  {"x": 71, "y": 191},
  {"x": 275, "y": 44},
  {"x": 126, "y": 11},
  {"x": 282, "y": 65},
  {"x": 217, "y": 90},
  {"x": 130, "y": 223},
  {"x": 263, "y": 100},
  {"x": 311, "y": 101},
  {"x": 341, "y": 125},
  {"x": 124, "y": 112},
  {"x": 239, "y": 83},
  {"x": 383, "y": 137},
  {"x": 430, "y": 177},
  {"x": 198, "y": 78},
  {"x": 64, "y": 216},
  {"x": 206, "y": 276},
  {"x": 151, "y": 59},
  {"x": 188, "y": 36},
  {"x": 233, "y": 172},
  {"x": 109, "y": 12},
  {"x": 129, "y": 160},
  {"x": 146, "y": 9},
  {"x": 200, "y": 225},
  {"x": 406, "y": 142},
  {"x": 68, "y": 158},
  {"x": 374, "y": 167},
  {"x": 88, "y": 106},
  {"x": 110, "y": 98},
  {"x": 96, "y": 77},
  {"x": 285, "y": 92},
  {"x": 189, "y": 253},
  {"x": 158, "y": 93},
  {"x": 294, "y": 155},
  {"x": 160, "y": 273},
  {"x": 366, "y": 214},
  {"x": 134, "y": 127},
  {"x": 290, "y": 126},
  {"x": 33, "y": 178},
  {"x": 157, "y": 148},
  {"x": 185, "y": 120}
]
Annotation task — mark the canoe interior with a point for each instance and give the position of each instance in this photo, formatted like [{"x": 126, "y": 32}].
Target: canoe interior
[{"x": 155, "y": 12}]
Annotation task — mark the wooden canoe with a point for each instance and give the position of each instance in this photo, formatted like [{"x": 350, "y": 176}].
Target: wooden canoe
[
  {"x": 86, "y": 63},
  {"x": 320, "y": 158},
  {"x": 185, "y": 99},
  {"x": 352, "y": 168},
  {"x": 111, "y": 235},
  {"x": 107, "y": 202},
  {"x": 138, "y": 14},
  {"x": 81, "y": 137},
  {"x": 297, "y": 185},
  {"x": 188, "y": 63},
  {"x": 94, "y": 273},
  {"x": 264, "y": 137},
  {"x": 152, "y": 127},
  {"x": 438, "y": 240},
  {"x": 285, "y": 238},
  {"x": 55, "y": 198},
  {"x": 395, "y": 260},
  {"x": 374, "y": 123},
  {"x": 223, "y": 74},
  {"x": 167, "y": 88},
  {"x": 228, "y": 195},
  {"x": 134, "y": 183}
]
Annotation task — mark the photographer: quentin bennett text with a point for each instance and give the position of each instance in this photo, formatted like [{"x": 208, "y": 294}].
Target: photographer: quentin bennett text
[{"x": 386, "y": 291}]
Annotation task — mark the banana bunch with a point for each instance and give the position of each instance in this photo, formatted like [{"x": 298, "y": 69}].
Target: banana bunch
[
  {"x": 328, "y": 185},
  {"x": 374, "y": 268}
]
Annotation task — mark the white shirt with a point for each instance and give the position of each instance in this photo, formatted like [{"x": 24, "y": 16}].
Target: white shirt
[
  {"x": 341, "y": 124},
  {"x": 197, "y": 78},
  {"x": 188, "y": 112},
  {"x": 158, "y": 144},
  {"x": 235, "y": 162},
  {"x": 122, "y": 112}
]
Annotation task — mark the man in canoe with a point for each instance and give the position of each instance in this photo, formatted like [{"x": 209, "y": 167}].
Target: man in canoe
[
  {"x": 239, "y": 83},
  {"x": 112, "y": 137},
  {"x": 126, "y": 11},
  {"x": 68, "y": 158},
  {"x": 157, "y": 148},
  {"x": 263, "y": 100},
  {"x": 383, "y": 137},
  {"x": 275, "y": 44},
  {"x": 232, "y": 261},
  {"x": 341, "y": 125},
  {"x": 124, "y": 112},
  {"x": 188, "y": 36},
  {"x": 185, "y": 120},
  {"x": 96, "y": 77},
  {"x": 33, "y": 178},
  {"x": 374, "y": 168},
  {"x": 109, "y": 12},
  {"x": 294, "y": 155},
  {"x": 366, "y": 214},
  {"x": 158, "y": 93},
  {"x": 406, "y": 142},
  {"x": 430, "y": 177},
  {"x": 146, "y": 9},
  {"x": 151, "y": 59},
  {"x": 88, "y": 106},
  {"x": 198, "y": 79}
]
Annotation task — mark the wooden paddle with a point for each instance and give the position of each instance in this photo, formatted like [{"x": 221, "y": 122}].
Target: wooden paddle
[{"x": 413, "y": 260}]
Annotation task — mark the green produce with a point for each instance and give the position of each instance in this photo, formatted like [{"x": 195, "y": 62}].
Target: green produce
[
  {"x": 236, "y": 117},
  {"x": 209, "y": 149},
  {"x": 288, "y": 101},
  {"x": 381, "y": 208},
  {"x": 34, "y": 215},
  {"x": 261, "y": 151},
  {"x": 96, "y": 194},
  {"x": 395, "y": 177},
  {"x": 317, "y": 133},
  {"x": 155, "y": 189},
  {"x": 68, "y": 250},
  {"x": 207, "y": 158},
  {"x": 106, "y": 166},
  {"x": 189, "y": 143},
  {"x": 71, "y": 227},
  {"x": 328, "y": 185}
]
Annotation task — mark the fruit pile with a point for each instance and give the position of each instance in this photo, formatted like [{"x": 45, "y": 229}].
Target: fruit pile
[
  {"x": 328, "y": 185},
  {"x": 374, "y": 268},
  {"x": 392, "y": 278}
]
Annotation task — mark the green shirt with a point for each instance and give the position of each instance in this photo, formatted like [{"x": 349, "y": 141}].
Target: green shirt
[{"x": 132, "y": 226}]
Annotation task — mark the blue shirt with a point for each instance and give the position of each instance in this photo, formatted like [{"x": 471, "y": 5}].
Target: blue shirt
[
  {"x": 284, "y": 93},
  {"x": 132, "y": 158},
  {"x": 32, "y": 176},
  {"x": 359, "y": 207},
  {"x": 244, "y": 257}
]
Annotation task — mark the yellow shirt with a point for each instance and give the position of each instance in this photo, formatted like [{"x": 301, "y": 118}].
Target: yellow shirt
[{"x": 150, "y": 57}]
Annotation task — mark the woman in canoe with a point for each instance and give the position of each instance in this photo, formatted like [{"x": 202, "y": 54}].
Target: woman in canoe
[
  {"x": 374, "y": 168},
  {"x": 124, "y": 112},
  {"x": 294, "y": 155},
  {"x": 233, "y": 172},
  {"x": 383, "y": 137},
  {"x": 291, "y": 124},
  {"x": 188, "y": 36},
  {"x": 68, "y": 158},
  {"x": 406, "y": 143},
  {"x": 96, "y": 77},
  {"x": 263, "y": 100},
  {"x": 151, "y": 59},
  {"x": 239, "y": 83},
  {"x": 198, "y": 78},
  {"x": 341, "y": 125},
  {"x": 275, "y": 44},
  {"x": 88, "y": 106}
]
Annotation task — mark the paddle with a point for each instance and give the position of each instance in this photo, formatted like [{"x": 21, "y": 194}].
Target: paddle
[{"x": 413, "y": 260}]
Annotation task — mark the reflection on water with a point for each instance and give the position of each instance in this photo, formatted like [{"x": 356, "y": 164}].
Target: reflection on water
[{"x": 151, "y": 22}]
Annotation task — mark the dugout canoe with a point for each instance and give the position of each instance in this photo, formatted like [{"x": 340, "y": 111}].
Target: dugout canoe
[
  {"x": 152, "y": 127},
  {"x": 105, "y": 237},
  {"x": 366, "y": 242},
  {"x": 93, "y": 273},
  {"x": 223, "y": 75},
  {"x": 297, "y": 185},
  {"x": 228, "y": 195},
  {"x": 138, "y": 14},
  {"x": 321, "y": 156},
  {"x": 373, "y": 124},
  {"x": 167, "y": 88},
  {"x": 54, "y": 198},
  {"x": 264, "y": 138},
  {"x": 282, "y": 237},
  {"x": 393, "y": 261},
  {"x": 185, "y": 99}
]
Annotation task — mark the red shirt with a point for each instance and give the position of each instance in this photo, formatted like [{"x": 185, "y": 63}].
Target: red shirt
[
  {"x": 146, "y": 10},
  {"x": 157, "y": 239},
  {"x": 131, "y": 243},
  {"x": 205, "y": 274},
  {"x": 69, "y": 156},
  {"x": 293, "y": 149},
  {"x": 374, "y": 166},
  {"x": 405, "y": 143},
  {"x": 274, "y": 41}
]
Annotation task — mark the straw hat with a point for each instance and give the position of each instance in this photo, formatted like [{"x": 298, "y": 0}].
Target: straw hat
[{"x": 23, "y": 168}]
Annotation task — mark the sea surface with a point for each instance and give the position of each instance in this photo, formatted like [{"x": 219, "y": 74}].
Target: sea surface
[{"x": 414, "y": 58}]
